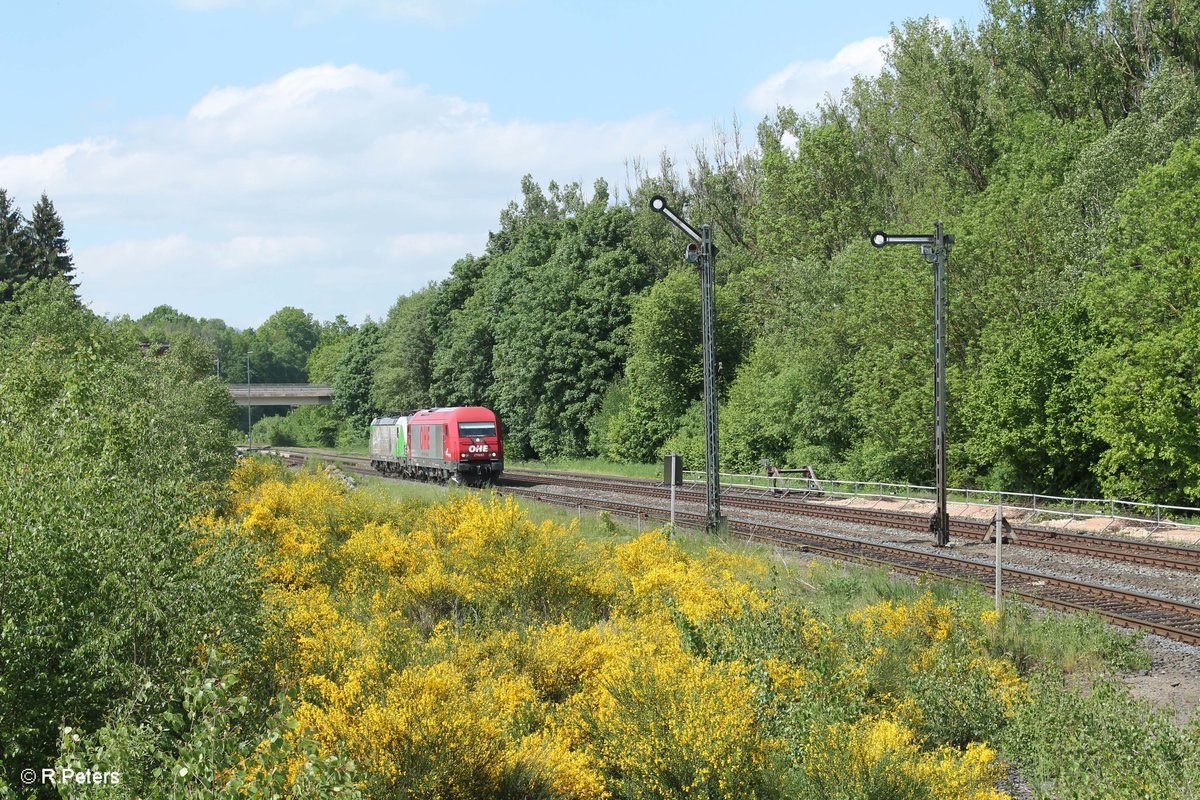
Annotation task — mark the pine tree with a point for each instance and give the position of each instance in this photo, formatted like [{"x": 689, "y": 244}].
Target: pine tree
[
  {"x": 14, "y": 247},
  {"x": 50, "y": 254}
]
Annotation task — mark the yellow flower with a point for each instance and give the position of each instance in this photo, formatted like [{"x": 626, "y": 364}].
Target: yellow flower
[
  {"x": 848, "y": 758},
  {"x": 661, "y": 575}
]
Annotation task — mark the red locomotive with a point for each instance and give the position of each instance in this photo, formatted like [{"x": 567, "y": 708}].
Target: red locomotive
[{"x": 455, "y": 444}]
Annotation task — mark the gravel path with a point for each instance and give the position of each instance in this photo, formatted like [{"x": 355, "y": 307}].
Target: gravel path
[{"x": 1173, "y": 680}]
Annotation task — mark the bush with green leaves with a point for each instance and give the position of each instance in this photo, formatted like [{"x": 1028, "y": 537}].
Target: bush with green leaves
[
  {"x": 105, "y": 454},
  {"x": 307, "y": 426},
  {"x": 211, "y": 741},
  {"x": 1102, "y": 743}
]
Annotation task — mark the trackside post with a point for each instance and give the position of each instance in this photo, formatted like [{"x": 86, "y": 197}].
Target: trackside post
[
  {"x": 935, "y": 248},
  {"x": 703, "y": 252},
  {"x": 673, "y": 476}
]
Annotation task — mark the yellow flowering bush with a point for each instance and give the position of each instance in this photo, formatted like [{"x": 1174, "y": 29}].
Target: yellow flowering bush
[
  {"x": 673, "y": 727},
  {"x": 659, "y": 574},
  {"x": 925, "y": 668},
  {"x": 924, "y": 620},
  {"x": 877, "y": 758},
  {"x": 546, "y": 761},
  {"x": 461, "y": 650}
]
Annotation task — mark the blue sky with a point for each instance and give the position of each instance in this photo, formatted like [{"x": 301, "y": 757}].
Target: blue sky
[{"x": 230, "y": 157}]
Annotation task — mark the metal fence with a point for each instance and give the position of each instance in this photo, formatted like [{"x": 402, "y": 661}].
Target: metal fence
[{"x": 1035, "y": 506}]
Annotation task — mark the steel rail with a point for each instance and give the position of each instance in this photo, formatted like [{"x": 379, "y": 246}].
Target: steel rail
[
  {"x": 1106, "y": 547},
  {"x": 1162, "y": 616}
]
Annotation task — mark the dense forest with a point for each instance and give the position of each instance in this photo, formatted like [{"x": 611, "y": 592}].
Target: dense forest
[{"x": 1057, "y": 143}]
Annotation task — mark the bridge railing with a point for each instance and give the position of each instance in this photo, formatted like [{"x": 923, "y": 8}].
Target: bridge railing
[{"x": 281, "y": 394}]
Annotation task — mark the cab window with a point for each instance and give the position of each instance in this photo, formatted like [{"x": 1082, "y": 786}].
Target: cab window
[{"x": 473, "y": 429}]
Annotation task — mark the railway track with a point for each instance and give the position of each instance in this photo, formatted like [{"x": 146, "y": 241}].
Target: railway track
[
  {"x": 1161, "y": 616},
  {"x": 1106, "y": 547},
  {"x": 1165, "y": 617}
]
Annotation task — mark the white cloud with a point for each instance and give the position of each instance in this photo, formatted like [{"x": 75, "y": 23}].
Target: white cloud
[
  {"x": 803, "y": 84},
  {"x": 46, "y": 167},
  {"x": 327, "y": 188}
]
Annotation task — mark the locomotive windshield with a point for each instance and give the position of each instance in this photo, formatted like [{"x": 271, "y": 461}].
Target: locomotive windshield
[{"x": 473, "y": 429}]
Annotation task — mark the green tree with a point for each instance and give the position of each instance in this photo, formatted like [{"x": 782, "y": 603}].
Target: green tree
[
  {"x": 1176, "y": 29},
  {"x": 14, "y": 246},
  {"x": 403, "y": 370},
  {"x": 561, "y": 339},
  {"x": 461, "y": 364},
  {"x": 49, "y": 254},
  {"x": 817, "y": 197},
  {"x": 353, "y": 379},
  {"x": 1146, "y": 371},
  {"x": 164, "y": 324},
  {"x": 106, "y": 455},
  {"x": 943, "y": 105},
  {"x": 284, "y": 342},
  {"x": 1026, "y": 411},
  {"x": 789, "y": 400},
  {"x": 725, "y": 186},
  {"x": 889, "y": 331},
  {"x": 324, "y": 358},
  {"x": 1068, "y": 58},
  {"x": 664, "y": 372}
]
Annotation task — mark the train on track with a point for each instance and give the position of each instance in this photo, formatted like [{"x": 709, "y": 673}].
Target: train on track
[{"x": 461, "y": 445}]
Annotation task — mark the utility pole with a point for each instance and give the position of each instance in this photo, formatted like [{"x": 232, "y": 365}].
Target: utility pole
[
  {"x": 935, "y": 249},
  {"x": 703, "y": 252},
  {"x": 249, "y": 429}
]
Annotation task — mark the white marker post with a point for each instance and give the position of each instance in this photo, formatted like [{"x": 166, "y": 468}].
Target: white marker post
[
  {"x": 1000, "y": 529},
  {"x": 673, "y": 476},
  {"x": 999, "y": 545}
]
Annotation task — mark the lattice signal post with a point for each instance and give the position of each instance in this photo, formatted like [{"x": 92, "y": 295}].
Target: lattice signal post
[
  {"x": 702, "y": 251},
  {"x": 935, "y": 248}
]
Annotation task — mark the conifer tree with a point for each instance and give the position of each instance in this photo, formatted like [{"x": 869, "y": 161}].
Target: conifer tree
[
  {"x": 13, "y": 247},
  {"x": 50, "y": 256}
]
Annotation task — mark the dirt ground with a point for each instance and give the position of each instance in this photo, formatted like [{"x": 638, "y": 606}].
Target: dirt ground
[
  {"x": 1098, "y": 525},
  {"x": 1173, "y": 680}
]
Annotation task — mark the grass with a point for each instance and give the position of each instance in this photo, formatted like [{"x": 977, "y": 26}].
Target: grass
[
  {"x": 593, "y": 466},
  {"x": 1102, "y": 743}
]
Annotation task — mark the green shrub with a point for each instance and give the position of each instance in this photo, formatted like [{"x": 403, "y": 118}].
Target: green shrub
[
  {"x": 275, "y": 431},
  {"x": 211, "y": 741},
  {"x": 105, "y": 455},
  {"x": 1102, "y": 743}
]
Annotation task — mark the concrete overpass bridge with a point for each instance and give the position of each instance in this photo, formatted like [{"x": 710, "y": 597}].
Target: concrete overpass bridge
[{"x": 281, "y": 394}]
